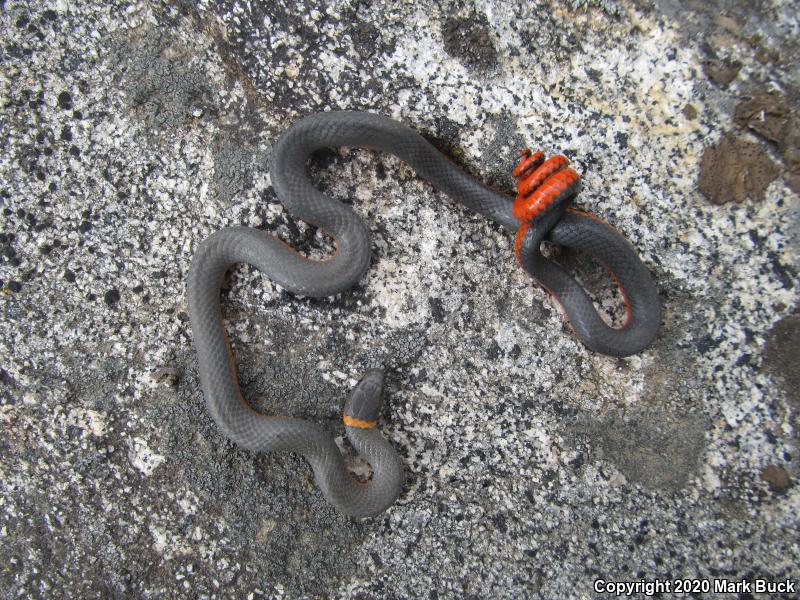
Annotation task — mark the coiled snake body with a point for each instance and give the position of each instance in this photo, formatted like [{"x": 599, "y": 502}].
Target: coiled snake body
[{"x": 550, "y": 219}]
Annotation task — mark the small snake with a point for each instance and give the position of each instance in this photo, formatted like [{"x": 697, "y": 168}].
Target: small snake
[{"x": 540, "y": 212}]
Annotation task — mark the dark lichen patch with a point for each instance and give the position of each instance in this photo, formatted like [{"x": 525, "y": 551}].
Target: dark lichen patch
[
  {"x": 499, "y": 156},
  {"x": 280, "y": 374},
  {"x": 366, "y": 38},
  {"x": 445, "y": 136},
  {"x": 548, "y": 37},
  {"x": 735, "y": 169},
  {"x": 653, "y": 447},
  {"x": 395, "y": 353},
  {"x": 781, "y": 354},
  {"x": 161, "y": 86},
  {"x": 469, "y": 39},
  {"x": 232, "y": 169}
]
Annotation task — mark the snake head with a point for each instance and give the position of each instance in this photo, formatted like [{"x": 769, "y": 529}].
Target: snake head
[{"x": 364, "y": 404}]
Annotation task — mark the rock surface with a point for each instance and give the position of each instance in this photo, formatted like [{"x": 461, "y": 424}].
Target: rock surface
[{"x": 132, "y": 130}]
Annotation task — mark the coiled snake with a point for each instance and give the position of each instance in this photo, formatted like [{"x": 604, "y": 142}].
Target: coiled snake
[{"x": 540, "y": 212}]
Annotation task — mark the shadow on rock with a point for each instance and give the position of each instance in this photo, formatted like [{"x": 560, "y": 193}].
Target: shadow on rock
[{"x": 651, "y": 446}]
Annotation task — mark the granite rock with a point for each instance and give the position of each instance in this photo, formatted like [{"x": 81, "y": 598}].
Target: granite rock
[{"x": 132, "y": 130}]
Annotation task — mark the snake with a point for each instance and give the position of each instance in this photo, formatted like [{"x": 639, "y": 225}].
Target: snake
[{"x": 541, "y": 212}]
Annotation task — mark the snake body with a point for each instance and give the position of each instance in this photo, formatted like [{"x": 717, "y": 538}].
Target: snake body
[{"x": 216, "y": 254}]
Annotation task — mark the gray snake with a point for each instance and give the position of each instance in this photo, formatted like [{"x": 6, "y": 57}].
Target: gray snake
[{"x": 216, "y": 254}]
